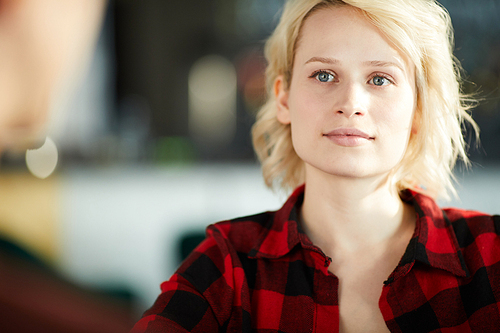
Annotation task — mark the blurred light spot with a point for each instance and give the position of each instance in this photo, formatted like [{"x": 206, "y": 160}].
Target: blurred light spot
[
  {"x": 251, "y": 67},
  {"x": 42, "y": 162},
  {"x": 212, "y": 101}
]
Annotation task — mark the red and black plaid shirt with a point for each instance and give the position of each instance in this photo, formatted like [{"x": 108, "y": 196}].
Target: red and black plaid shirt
[{"x": 262, "y": 274}]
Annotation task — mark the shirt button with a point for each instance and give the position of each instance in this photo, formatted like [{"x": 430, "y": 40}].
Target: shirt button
[{"x": 328, "y": 260}]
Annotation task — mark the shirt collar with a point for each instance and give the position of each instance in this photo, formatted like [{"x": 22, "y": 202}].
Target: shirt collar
[
  {"x": 282, "y": 233},
  {"x": 433, "y": 243}
]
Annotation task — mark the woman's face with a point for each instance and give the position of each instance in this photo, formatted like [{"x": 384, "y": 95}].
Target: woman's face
[{"x": 351, "y": 99}]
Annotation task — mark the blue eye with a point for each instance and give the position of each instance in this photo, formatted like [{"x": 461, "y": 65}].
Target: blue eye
[
  {"x": 380, "y": 81},
  {"x": 325, "y": 77}
]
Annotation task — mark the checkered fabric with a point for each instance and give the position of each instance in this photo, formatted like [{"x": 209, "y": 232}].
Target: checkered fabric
[{"x": 262, "y": 274}]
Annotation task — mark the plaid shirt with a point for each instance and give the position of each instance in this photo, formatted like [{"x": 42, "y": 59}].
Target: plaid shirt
[{"x": 262, "y": 274}]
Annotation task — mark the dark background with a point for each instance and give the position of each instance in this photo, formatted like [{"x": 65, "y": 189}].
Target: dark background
[{"x": 156, "y": 43}]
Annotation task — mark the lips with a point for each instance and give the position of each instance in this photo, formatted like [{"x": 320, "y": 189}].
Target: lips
[{"x": 348, "y": 137}]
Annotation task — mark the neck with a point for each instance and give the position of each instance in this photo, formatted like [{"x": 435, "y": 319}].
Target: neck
[{"x": 350, "y": 213}]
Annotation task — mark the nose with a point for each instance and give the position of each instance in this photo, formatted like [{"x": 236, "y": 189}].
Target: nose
[{"x": 351, "y": 99}]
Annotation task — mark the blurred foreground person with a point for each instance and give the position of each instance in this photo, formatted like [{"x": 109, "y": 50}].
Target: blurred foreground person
[
  {"x": 364, "y": 120},
  {"x": 44, "y": 47}
]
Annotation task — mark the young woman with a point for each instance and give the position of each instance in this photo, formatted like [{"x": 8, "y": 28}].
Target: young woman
[{"x": 365, "y": 110}]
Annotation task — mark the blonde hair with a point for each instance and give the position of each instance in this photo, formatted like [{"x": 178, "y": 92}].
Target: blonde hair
[{"x": 420, "y": 29}]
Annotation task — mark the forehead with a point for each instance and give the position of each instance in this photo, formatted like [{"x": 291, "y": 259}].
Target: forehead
[{"x": 344, "y": 31}]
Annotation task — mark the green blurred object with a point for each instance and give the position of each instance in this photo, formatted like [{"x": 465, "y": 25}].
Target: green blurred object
[{"x": 174, "y": 149}]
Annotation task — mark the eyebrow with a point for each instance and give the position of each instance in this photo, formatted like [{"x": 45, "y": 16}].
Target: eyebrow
[
  {"x": 375, "y": 63},
  {"x": 330, "y": 61}
]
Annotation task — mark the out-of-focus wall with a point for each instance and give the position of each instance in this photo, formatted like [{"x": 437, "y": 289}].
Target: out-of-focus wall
[{"x": 122, "y": 226}]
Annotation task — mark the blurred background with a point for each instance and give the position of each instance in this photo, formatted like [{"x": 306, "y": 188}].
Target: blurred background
[{"x": 153, "y": 144}]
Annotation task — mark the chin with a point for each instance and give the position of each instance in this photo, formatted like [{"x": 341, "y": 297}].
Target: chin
[
  {"x": 344, "y": 171},
  {"x": 354, "y": 171}
]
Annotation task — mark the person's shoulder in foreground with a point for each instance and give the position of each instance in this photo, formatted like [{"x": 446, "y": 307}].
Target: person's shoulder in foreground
[{"x": 261, "y": 273}]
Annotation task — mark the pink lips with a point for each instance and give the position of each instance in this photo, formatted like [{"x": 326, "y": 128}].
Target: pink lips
[{"x": 348, "y": 137}]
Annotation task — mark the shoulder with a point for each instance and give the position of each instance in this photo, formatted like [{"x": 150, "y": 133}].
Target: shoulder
[
  {"x": 225, "y": 245},
  {"x": 473, "y": 223},
  {"x": 241, "y": 233},
  {"x": 478, "y": 236},
  {"x": 213, "y": 276}
]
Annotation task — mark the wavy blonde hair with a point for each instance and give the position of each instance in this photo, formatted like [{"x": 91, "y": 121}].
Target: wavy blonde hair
[{"x": 420, "y": 29}]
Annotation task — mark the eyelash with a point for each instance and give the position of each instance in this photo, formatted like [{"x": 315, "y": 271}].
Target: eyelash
[
  {"x": 322, "y": 71},
  {"x": 385, "y": 76},
  {"x": 315, "y": 74}
]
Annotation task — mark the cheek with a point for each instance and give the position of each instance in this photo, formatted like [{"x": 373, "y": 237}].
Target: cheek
[
  {"x": 304, "y": 120},
  {"x": 307, "y": 105},
  {"x": 400, "y": 112}
]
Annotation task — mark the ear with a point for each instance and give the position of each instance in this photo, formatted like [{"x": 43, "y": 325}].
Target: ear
[{"x": 281, "y": 95}]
